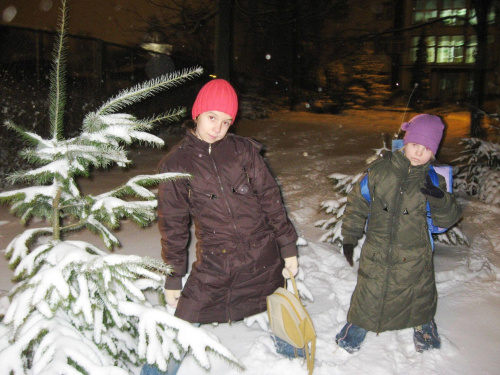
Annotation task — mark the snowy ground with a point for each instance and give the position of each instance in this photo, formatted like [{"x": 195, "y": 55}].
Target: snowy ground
[{"x": 303, "y": 149}]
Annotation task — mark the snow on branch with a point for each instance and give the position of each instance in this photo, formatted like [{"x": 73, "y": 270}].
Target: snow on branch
[
  {"x": 157, "y": 350},
  {"x": 18, "y": 248},
  {"x": 478, "y": 172},
  {"x": 135, "y": 186}
]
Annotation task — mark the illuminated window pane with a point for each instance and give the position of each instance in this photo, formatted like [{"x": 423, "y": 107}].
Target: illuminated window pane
[
  {"x": 450, "y": 49},
  {"x": 442, "y": 56},
  {"x": 431, "y": 49},
  {"x": 453, "y": 8},
  {"x": 458, "y": 54},
  {"x": 431, "y": 14},
  {"x": 470, "y": 56},
  {"x": 473, "y": 20},
  {"x": 431, "y": 55},
  {"x": 443, "y": 41},
  {"x": 491, "y": 14},
  {"x": 457, "y": 40},
  {"x": 424, "y": 10}
]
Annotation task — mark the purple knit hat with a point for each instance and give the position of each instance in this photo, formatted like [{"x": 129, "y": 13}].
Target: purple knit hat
[
  {"x": 425, "y": 130},
  {"x": 216, "y": 95}
]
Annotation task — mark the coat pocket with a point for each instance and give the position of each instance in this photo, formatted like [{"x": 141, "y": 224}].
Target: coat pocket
[
  {"x": 242, "y": 186},
  {"x": 411, "y": 264},
  {"x": 264, "y": 249},
  {"x": 202, "y": 194},
  {"x": 369, "y": 265}
]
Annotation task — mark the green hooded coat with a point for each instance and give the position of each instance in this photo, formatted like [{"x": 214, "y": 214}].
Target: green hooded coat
[{"x": 396, "y": 288}]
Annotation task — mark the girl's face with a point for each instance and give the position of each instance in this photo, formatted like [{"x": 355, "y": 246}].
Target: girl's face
[
  {"x": 212, "y": 126},
  {"x": 418, "y": 154}
]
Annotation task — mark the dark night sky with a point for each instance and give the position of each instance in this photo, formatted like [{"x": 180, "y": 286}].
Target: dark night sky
[{"x": 105, "y": 19}]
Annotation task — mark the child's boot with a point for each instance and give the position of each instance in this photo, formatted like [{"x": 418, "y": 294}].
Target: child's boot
[
  {"x": 284, "y": 348},
  {"x": 426, "y": 337},
  {"x": 350, "y": 337}
]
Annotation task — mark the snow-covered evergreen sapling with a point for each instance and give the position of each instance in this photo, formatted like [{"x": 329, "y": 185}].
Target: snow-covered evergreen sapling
[
  {"x": 76, "y": 308},
  {"x": 336, "y": 207},
  {"x": 478, "y": 171}
]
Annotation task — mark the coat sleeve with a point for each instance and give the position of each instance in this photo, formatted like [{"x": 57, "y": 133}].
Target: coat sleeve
[
  {"x": 173, "y": 224},
  {"x": 445, "y": 211},
  {"x": 269, "y": 196},
  {"x": 355, "y": 214}
]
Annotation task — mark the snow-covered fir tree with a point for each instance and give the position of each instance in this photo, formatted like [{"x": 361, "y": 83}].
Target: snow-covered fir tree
[
  {"x": 478, "y": 170},
  {"x": 76, "y": 308},
  {"x": 343, "y": 184}
]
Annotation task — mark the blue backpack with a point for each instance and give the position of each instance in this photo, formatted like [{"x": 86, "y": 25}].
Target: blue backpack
[{"x": 443, "y": 170}]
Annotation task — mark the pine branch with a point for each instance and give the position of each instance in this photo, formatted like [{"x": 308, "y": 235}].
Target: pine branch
[
  {"x": 57, "y": 95},
  {"x": 149, "y": 88},
  {"x": 170, "y": 116},
  {"x": 32, "y": 138},
  {"x": 135, "y": 186}
]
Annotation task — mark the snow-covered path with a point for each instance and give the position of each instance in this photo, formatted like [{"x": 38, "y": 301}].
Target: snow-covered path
[{"x": 303, "y": 149}]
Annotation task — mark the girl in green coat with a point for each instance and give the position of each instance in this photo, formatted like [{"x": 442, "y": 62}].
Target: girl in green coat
[{"x": 396, "y": 288}]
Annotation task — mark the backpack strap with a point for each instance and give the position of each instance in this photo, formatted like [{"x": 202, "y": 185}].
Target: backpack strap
[
  {"x": 365, "y": 190},
  {"x": 397, "y": 144}
]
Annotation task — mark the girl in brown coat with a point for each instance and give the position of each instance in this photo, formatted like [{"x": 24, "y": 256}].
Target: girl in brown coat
[{"x": 245, "y": 242}]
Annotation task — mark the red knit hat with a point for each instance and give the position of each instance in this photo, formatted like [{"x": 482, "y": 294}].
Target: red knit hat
[{"x": 216, "y": 95}]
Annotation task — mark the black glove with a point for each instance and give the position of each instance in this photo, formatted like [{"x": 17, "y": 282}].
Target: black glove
[
  {"x": 348, "y": 252},
  {"x": 431, "y": 190}
]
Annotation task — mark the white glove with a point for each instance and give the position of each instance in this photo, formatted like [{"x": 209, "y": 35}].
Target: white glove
[
  {"x": 172, "y": 297},
  {"x": 292, "y": 266}
]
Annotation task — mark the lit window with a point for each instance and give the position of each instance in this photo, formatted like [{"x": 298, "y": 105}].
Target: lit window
[
  {"x": 470, "y": 55},
  {"x": 431, "y": 49},
  {"x": 424, "y": 10},
  {"x": 450, "y": 49},
  {"x": 453, "y": 8},
  {"x": 430, "y": 42}
]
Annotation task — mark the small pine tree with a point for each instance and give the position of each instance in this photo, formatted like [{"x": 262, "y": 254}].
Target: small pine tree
[
  {"x": 76, "y": 308},
  {"x": 336, "y": 207},
  {"x": 478, "y": 172}
]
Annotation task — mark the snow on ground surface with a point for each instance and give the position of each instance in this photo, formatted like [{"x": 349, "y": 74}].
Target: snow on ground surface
[{"x": 302, "y": 150}]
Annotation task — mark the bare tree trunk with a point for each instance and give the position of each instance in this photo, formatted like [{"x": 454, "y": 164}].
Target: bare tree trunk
[
  {"x": 294, "y": 84},
  {"x": 479, "y": 74},
  {"x": 223, "y": 29}
]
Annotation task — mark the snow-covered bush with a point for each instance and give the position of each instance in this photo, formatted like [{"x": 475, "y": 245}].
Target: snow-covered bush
[
  {"x": 76, "y": 308},
  {"x": 343, "y": 184},
  {"x": 478, "y": 172}
]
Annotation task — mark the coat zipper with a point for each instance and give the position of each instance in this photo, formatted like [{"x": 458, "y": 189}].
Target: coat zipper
[
  {"x": 390, "y": 250},
  {"x": 228, "y": 312}
]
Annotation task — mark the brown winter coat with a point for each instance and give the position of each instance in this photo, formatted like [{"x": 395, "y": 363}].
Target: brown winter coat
[{"x": 242, "y": 229}]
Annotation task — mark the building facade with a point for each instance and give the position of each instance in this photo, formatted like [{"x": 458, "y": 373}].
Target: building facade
[{"x": 448, "y": 28}]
